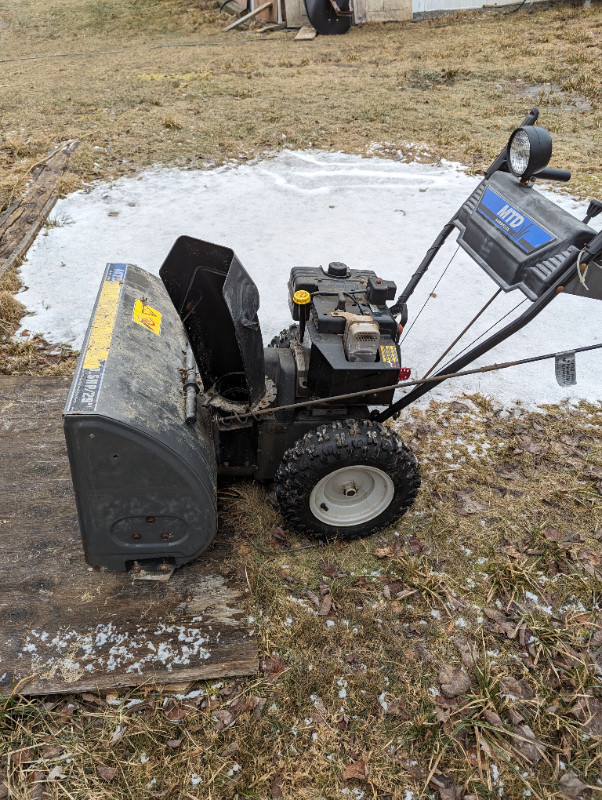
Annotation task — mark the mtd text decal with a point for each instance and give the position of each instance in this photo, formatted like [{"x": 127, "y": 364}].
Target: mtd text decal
[
  {"x": 97, "y": 349},
  {"x": 524, "y": 232}
]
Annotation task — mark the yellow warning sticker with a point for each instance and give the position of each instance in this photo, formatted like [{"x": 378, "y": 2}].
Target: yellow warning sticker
[
  {"x": 102, "y": 327},
  {"x": 388, "y": 353},
  {"x": 146, "y": 316}
]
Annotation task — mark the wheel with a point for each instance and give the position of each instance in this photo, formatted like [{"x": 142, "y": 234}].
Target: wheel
[
  {"x": 285, "y": 337},
  {"x": 346, "y": 479}
]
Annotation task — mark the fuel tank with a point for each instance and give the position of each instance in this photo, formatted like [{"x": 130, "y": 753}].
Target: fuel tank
[{"x": 144, "y": 479}]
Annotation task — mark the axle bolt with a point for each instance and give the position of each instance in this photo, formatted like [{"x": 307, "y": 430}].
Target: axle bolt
[{"x": 349, "y": 489}]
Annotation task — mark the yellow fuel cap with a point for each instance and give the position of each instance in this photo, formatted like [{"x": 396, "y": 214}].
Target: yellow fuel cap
[{"x": 301, "y": 297}]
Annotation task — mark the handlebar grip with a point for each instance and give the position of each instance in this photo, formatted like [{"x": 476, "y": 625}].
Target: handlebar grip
[
  {"x": 531, "y": 117},
  {"x": 550, "y": 174}
]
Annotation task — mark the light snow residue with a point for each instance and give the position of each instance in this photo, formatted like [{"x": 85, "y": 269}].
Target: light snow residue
[{"x": 306, "y": 209}]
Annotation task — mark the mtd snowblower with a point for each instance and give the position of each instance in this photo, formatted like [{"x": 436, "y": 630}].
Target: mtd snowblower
[{"x": 174, "y": 387}]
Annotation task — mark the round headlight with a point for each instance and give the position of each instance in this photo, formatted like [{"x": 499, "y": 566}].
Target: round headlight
[{"x": 529, "y": 150}]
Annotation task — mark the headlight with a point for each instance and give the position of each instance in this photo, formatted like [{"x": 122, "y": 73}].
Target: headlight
[{"x": 529, "y": 150}]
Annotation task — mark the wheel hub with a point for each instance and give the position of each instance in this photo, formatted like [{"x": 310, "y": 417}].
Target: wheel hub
[{"x": 351, "y": 496}]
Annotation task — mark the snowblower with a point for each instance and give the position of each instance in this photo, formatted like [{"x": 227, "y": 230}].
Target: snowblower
[{"x": 174, "y": 387}]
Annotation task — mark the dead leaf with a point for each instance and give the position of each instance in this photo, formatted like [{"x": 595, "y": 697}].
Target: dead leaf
[
  {"x": 176, "y": 712},
  {"x": 493, "y": 718},
  {"x": 357, "y": 770},
  {"x": 405, "y": 593},
  {"x": 107, "y": 773},
  {"x": 396, "y": 708},
  {"x": 23, "y": 756},
  {"x": 535, "y": 448},
  {"x": 326, "y": 606},
  {"x": 276, "y": 787},
  {"x": 258, "y": 706},
  {"x": 313, "y": 597},
  {"x": 527, "y": 744},
  {"x": 502, "y": 623},
  {"x": 230, "y": 750},
  {"x": 113, "y": 213},
  {"x": 516, "y": 689},
  {"x": 343, "y": 721},
  {"x": 333, "y": 571},
  {"x": 467, "y": 506},
  {"x": 468, "y": 651},
  {"x": 453, "y": 681},
  {"x": 273, "y": 668},
  {"x": 508, "y": 473},
  {"x": 553, "y": 535},
  {"x": 224, "y": 718},
  {"x": 51, "y": 751},
  {"x": 445, "y": 786},
  {"x": 92, "y": 698},
  {"x": 571, "y": 786},
  {"x": 322, "y": 715}
]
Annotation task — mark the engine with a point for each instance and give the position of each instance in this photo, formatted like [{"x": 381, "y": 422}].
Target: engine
[{"x": 348, "y": 339}]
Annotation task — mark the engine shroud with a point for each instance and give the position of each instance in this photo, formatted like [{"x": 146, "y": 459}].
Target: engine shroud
[{"x": 357, "y": 292}]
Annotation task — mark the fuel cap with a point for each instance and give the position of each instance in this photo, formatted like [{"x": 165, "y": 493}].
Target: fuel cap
[{"x": 337, "y": 269}]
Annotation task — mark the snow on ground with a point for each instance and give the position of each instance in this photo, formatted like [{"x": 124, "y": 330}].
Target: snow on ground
[{"x": 309, "y": 208}]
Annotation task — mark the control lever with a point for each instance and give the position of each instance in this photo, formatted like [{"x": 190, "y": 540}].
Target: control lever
[{"x": 593, "y": 209}]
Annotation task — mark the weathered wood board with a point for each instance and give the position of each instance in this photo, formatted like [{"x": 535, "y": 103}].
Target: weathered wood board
[
  {"x": 21, "y": 221},
  {"x": 66, "y": 627}
]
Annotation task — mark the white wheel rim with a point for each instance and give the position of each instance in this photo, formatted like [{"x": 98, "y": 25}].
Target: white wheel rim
[{"x": 351, "y": 496}]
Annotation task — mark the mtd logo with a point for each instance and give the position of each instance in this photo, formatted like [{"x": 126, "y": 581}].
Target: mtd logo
[
  {"x": 516, "y": 226},
  {"x": 511, "y": 216}
]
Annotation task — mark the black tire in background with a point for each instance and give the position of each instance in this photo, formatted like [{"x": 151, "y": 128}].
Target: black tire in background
[{"x": 346, "y": 479}]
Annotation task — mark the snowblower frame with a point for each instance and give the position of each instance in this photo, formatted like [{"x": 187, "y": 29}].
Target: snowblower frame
[{"x": 174, "y": 387}]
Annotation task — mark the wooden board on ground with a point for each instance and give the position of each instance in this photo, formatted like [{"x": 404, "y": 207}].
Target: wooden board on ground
[
  {"x": 305, "y": 33},
  {"x": 66, "y": 627},
  {"x": 248, "y": 16},
  {"x": 24, "y": 216}
]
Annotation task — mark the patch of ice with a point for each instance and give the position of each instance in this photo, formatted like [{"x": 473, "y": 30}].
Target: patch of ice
[{"x": 364, "y": 230}]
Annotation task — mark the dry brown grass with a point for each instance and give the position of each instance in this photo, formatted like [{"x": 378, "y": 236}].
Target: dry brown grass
[
  {"x": 515, "y": 509},
  {"x": 448, "y": 85},
  {"x": 496, "y": 570},
  {"x": 107, "y": 74}
]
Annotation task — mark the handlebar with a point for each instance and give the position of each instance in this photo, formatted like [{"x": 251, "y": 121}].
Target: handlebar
[{"x": 549, "y": 174}]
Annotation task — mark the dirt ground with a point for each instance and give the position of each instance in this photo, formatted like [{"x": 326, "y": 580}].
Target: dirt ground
[{"x": 457, "y": 654}]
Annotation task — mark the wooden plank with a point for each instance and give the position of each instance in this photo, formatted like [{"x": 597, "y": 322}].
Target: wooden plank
[
  {"x": 295, "y": 13},
  {"x": 65, "y": 626},
  {"x": 305, "y": 33},
  {"x": 388, "y": 10},
  {"x": 359, "y": 12},
  {"x": 248, "y": 16},
  {"x": 23, "y": 218},
  {"x": 270, "y": 14}
]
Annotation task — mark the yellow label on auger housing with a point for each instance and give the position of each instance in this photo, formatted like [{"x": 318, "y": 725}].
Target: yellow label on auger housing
[
  {"x": 102, "y": 327},
  {"x": 146, "y": 316}
]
